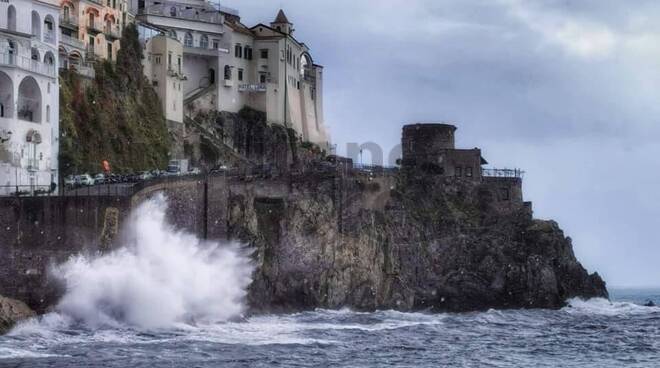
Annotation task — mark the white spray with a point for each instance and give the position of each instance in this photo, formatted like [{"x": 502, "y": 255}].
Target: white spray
[{"x": 161, "y": 278}]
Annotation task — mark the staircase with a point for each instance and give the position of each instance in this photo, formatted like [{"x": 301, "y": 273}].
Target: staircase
[
  {"x": 224, "y": 148},
  {"x": 197, "y": 93}
]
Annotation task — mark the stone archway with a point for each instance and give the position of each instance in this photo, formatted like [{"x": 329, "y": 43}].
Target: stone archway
[
  {"x": 29, "y": 100},
  {"x": 6, "y": 96}
]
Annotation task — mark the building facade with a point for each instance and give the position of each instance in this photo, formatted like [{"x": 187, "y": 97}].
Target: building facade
[
  {"x": 228, "y": 66},
  {"x": 29, "y": 95},
  {"x": 90, "y": 31}
]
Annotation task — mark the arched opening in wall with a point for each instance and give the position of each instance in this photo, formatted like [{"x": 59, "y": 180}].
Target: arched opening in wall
[
  {"x": 204, "y": 42},
  {"x": 29, "y": 100},
  {"x": 34, "y": 54},
  {"x": 6, "y": 96},
  {"x": 49, "y": 29},
  {"x": 63, "y": 58},
  {"x": 212, "y": 75},
  {"x": 188, "y": 40},
  {"x": 11, "y": 18},
  {"x": 75, "y": 59},
  {"x": 13, "y": 51},
  {"x": 49, "y": 60},
  {"x": 36, "y": 25},
  {"x": 109, "y": 21}
]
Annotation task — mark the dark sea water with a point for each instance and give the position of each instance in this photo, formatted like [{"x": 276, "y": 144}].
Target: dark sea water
[{"x": 595, "y": 333}]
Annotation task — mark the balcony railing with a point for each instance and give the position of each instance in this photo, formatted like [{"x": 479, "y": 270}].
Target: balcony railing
[
  {"x": 502, "y": 173},
  {"x": 33, "y": 164},
  {"x": 197, "y": 14},
  {"x": 73, "y": 42},
  {"x": 49, "y": 37},
  {"x": 28, "y": 64},
  {"x": 94, "y": 27},
  {"x": 252, "y": 88},
  {"x": 114, "y": 33},
  {"x": 69, "y": 22}
]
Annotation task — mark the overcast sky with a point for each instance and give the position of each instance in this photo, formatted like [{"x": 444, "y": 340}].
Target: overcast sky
[{"x": 569, "y": 91}]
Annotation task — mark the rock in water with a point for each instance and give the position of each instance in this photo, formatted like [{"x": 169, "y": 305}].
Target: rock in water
[
  {"x": 11, "y": 312},
  {"x": 650, "y": 303}
]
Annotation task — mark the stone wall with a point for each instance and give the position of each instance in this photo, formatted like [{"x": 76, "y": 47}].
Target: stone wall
[{"x": 36, "y": 233}]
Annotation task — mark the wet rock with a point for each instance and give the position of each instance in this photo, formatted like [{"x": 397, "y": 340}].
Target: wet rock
[{"x": 11, "y": 312}]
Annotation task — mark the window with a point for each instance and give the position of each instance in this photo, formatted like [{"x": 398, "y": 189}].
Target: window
[
  {"x": 238, "y": 51},
  {"x": 459, "y": 171},
  {"x": 240, "y": 74},
  {"x": 48, "y": 88},
  {"x": 264, "y": 53},
  {"x": 173, "y": 11},
  {"x": 216, "y": 44},
  {"x": 262, "y": 78},
  {"x": 504, "y": 194},
  {"x": 227, "y": 72},
  {"x": 157, "y": 59},
  {"x": 155, "y": 83},
  {"x": 248, "y": 52},
  {"x": 178, "y": 62},
  {"x": 468, "y": 172},
  {"x": 188, "y": 40},
  {"x": 169, "y": 61},
  {"x": 204, "y": 42},
  {"x": 48, "y": 113}
]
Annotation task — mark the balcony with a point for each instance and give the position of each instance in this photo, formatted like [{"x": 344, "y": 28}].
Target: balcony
[
  {"x": 94, "y": 28},
  {"x": 90, "y": 53},
  {"x": 228, "y": 83},
  {"x": 33, "y": 164},
  {"x": 27, "y": 64},
  {"x": 49, "y": 37},
  {"x": 73, "y": 42},
  {"x": 252, "y": 88},
  {"x": 69, "y": 22},
  {"x": 111, "y": 33}
]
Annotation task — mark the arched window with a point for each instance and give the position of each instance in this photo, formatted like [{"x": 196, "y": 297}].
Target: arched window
[
  {"x": 11, "y": 18},
  {"x": 188, "y": 40},
  {"x": 173, "y": 11},
  {"x": 6, "y": 96},
  {"x": 49, "y": 29},
  {"x": 49, "y": 58},
  {"x": 173, "y": 34},
  {"x": 227, "y": 72},
  {"x": 29, "y": 100},
  {"x": 36, "y": 25},
  {"x": 204, "y": 42},
  {"x": 35, "y": 54}
]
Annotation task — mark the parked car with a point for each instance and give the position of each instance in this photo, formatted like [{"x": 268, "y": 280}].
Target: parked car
[
  {"x": 84, "y": 180},
  {"x": 70, "y": 181},
  {"x": 194, "y": 171},
  {"x": 145, "y": 175},
  {"x": 99, "y": 179}
]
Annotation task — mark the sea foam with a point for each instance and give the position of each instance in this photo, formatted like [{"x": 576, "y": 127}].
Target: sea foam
[{"x": 160, "y": 278}]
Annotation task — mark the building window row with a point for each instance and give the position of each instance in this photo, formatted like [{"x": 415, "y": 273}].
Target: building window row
[
  {"x": 243, "y": 52},
  {"x": 460, "y": 171}
]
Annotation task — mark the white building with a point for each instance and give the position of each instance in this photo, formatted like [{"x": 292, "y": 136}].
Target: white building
[
  {"x": 29, "y": 94},
  {"x": 227, "y": 66}
]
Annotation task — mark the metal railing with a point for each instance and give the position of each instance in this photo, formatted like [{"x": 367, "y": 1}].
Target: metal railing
[
  {"x": 74, "y": 42},
  {"x": 69, "y": 21},
  {"x": 27, "y": 190},
  {"x": 502, "y": 173},
  {"x": 28, "y": 64},
  {"x": 250, "y": 88}
]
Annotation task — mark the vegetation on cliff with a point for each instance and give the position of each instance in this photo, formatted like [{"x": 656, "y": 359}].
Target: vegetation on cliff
[{"x": 116, "y": 117}]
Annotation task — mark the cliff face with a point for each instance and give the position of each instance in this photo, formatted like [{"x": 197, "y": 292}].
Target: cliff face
[
  {"x": 115, "y": 117},
  {"x": 405, "y": 242}
]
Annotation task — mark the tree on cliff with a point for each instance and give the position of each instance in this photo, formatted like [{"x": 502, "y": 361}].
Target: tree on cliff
[{"x": 115, "y": 117}]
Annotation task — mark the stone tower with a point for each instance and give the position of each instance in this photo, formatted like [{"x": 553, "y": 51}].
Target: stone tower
[{"x": 424, "y": 143}]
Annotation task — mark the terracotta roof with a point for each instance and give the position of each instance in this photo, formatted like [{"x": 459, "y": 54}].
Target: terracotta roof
[{"x": 281, "y": 17}]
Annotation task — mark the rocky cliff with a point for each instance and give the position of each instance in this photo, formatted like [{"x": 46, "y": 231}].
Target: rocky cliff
[{"x": 404, "y": 241}]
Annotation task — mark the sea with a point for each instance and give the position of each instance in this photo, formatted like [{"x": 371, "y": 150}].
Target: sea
[{"x": 167, "y": 299}]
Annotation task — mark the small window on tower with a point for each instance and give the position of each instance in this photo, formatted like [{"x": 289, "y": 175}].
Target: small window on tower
[
  {"x": 264, "y": 53},
  {"x": 459, "y": 171},
  {"x": 468, "y": 172}
]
